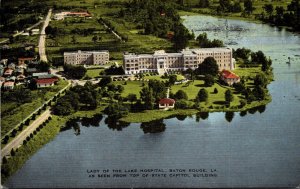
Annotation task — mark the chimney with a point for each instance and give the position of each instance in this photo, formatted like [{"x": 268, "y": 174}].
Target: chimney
[{"x": 168, "y": 92}]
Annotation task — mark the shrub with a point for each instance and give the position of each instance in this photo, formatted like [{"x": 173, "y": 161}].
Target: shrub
[
  {"x": 4, "y": 160},
  {"x": 216, "y": 91},
  {"x": 12, "y": 152},
  {"x": 24, "y": 142}
]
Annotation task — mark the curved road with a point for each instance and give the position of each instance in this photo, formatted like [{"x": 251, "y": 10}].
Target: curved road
[{"x": 42, "y": 49}]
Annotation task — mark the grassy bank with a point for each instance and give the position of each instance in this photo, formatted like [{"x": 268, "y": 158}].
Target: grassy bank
[
  {"x": 12, "y": 112},
  {"x": 42, "y": 137}
]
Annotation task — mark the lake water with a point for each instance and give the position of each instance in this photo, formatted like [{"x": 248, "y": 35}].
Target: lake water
[{"x": 253, "y": 150}]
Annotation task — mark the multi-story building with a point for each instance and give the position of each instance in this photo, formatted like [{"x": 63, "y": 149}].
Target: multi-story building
[
  {"x": 86, "y": 57},
  {"x": 163, "y": 62}
]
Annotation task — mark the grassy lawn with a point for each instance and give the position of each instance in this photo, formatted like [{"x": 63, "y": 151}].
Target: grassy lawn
[
  {"x": 131, "y": 87},
  {"x": 93, "y": 73},
  {"x": 16, "y": 113}
]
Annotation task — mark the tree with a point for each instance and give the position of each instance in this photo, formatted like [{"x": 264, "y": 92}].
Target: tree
[
  {"x": 229, "y": 116},
  {"x": 228, "y": 96},
  {"x": 181, "y": 37},
  {"x": 73, "y": 39},
  {"x": 158, "y": 88},
  {"x": 202, "y": 95},
  {"x": 248, "y": 6},
  {"x": 260, "y": 80},
  {"x": 172, "y": 79},
  {"x": 216, "y": 91},
  {"x": 204, "y": 3},
  {"x": 242, "y": 53},
  {"x": 12, "y": 152},
  {"x": 208, "y": 66},
  {"x": 259, "y": 93},
  {"x": 120, "y": 88},
  {"x": 209, "y": 80},
  {"x": 224, "y": 4},
  {"x": 147, "y": 97},
  {"x": 181, "y": 104},
  {"x": 132, "y": 97},
  {"x": 269, "y": 9},
  {"x": 76, "y": 72},
  {"x": 43, "y": 66},
  {"x": 180, "y": 94},
  {"x": 104, "y": 81},
  {"x": 95, "y": 38}
]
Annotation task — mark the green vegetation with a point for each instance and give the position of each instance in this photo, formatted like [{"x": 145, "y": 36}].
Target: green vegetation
[
  {"x": 150, "y": 115},
  {"x": 280, "y": 12},
  {"x": 21, "y": 111}
]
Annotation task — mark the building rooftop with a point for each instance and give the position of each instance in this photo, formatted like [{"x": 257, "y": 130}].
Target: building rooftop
[
  {"x": 167, "y": 101},
  {"x": 46, "y": 81},
  {"x": 229, "y": 75},
  {"x": 91, "y": 52},
  {"x": 8, "y": 84}
]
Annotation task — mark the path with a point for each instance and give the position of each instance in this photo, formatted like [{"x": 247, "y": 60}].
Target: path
[
  {"x": 42, "y": 49},
  {"x": 29, "y": 28},
  {"x": 18, "y": 140},
  {"x": 112, "y": 31}
]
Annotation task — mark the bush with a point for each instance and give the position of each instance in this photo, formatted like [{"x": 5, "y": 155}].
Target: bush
[
  {"x": 34, "y": 132},
  {"x": 31, "y": 135},
  {"x": 181, "y": 104},
  {"x": 24, "y": 142},
  {"x": 4, "y": 160},
  {"x": 28, "y": 138},
  {"x": 216, "y": 91},
  {"x": 12, "y": 152}
]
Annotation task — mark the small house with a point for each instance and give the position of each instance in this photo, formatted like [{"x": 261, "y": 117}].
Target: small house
[
  {"x": 12, "y": 66},
  {"x": 229, "y": 77},
  {"x": 21, "y": 78},
  {"x": 8, "y": 85},
  {"x": 166, "y": 103},
  {"x": 41, "y": 83},
  {"x": 8, "y": 72}
]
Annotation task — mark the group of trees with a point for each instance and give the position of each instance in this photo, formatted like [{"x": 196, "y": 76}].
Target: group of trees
[
  {"x": 158, "y": 18},
  {"x": 228, "y": 6},
  {"x": 19, "y": 95},
  {"x": 77, "y": 97},
  {"x": 283, "y": 17},
  {"x": 208, "y": 66},
  {"x": 76, "y": 72},
  {"x": 249, "y": 57},
  {"x": 114, "y": 70},
  {"x": 204, "y": 42},
  {"x": 258, "y": 92}
]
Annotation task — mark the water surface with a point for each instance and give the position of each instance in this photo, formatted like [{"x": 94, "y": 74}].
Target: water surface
[{"x": 254, "y": 150}]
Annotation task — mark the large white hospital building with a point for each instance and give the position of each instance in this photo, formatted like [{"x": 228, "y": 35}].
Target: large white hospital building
[{"x": 163, "y": 62}]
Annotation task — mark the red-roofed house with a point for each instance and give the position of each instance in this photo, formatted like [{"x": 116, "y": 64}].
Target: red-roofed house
[
  {"x": 8, "y": 85},
  {"x": 40, "y": 83},
  {"x": 8, "y": 72},
  {"x": 229, "y": 77},
  {"x": 166, "y": 103}
]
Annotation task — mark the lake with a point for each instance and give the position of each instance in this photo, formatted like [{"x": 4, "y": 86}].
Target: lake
[{"x": 259, "y": 149}]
